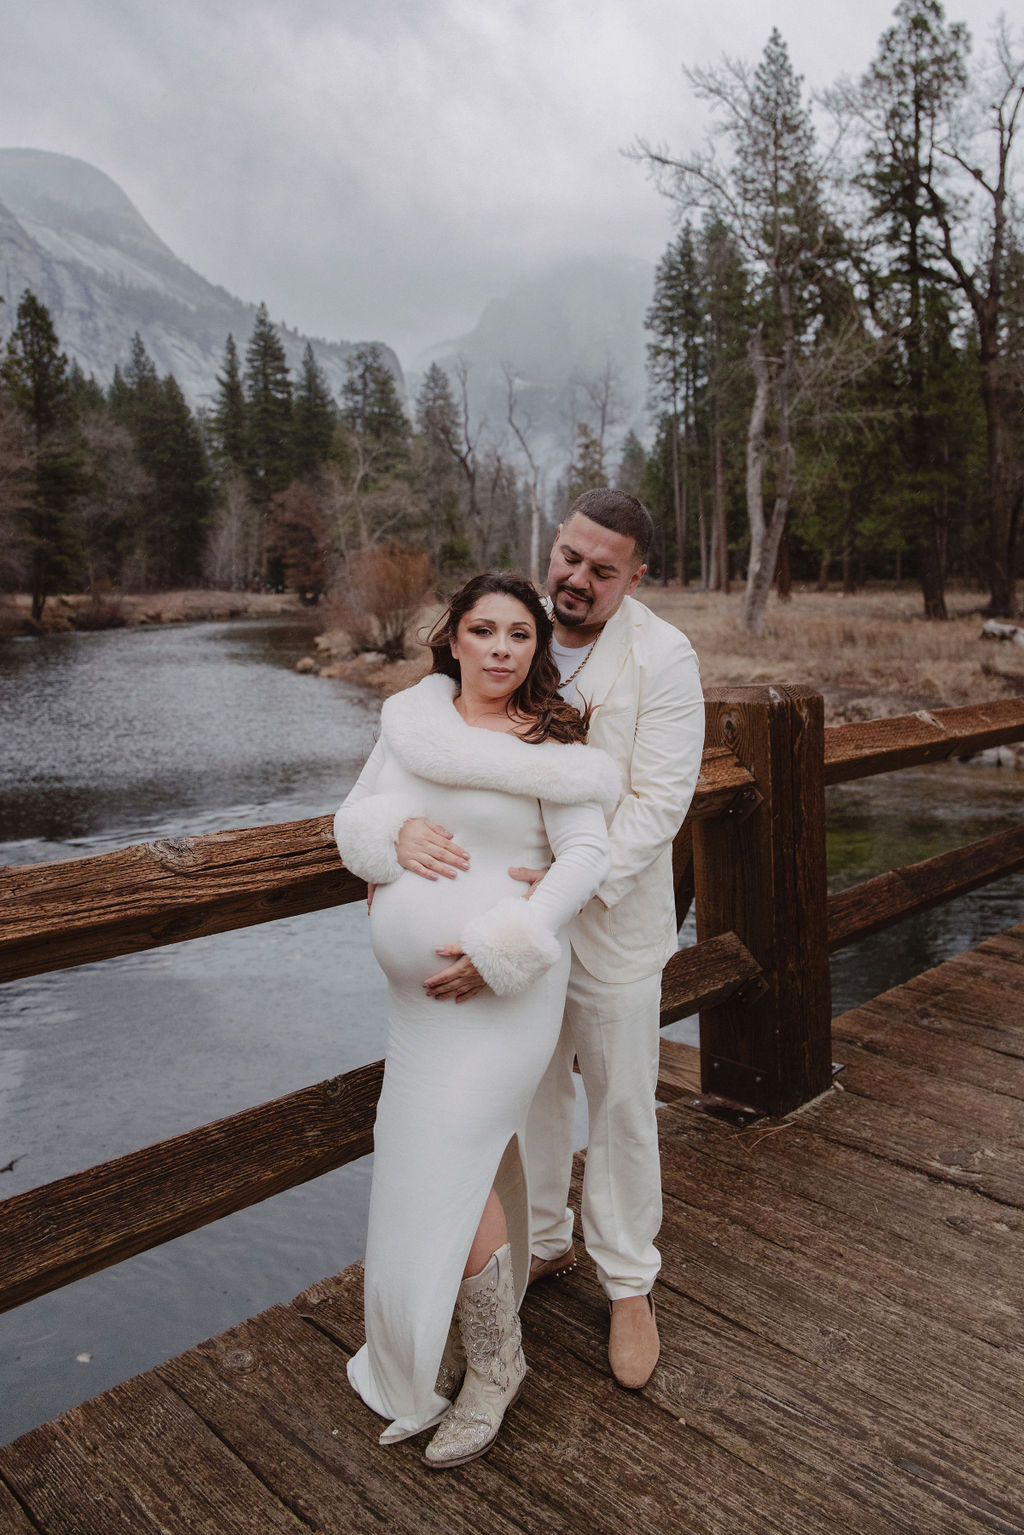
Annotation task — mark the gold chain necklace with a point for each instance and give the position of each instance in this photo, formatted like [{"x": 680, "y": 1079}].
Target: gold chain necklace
[{"x": 563, "y": 682}]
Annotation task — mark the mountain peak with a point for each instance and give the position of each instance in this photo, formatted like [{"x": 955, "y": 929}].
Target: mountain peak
[{"x": 70, "y": 234}]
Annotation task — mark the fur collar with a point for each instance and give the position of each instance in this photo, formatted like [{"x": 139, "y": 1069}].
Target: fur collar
[{"x": 431, "y": 739}]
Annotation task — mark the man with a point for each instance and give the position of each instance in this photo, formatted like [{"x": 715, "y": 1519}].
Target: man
[{"x": 639, "y": 676}]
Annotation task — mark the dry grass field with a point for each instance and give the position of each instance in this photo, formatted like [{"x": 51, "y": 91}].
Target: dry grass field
[{"x": 871, "y": 654}]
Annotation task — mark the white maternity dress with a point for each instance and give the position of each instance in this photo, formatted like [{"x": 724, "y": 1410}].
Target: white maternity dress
[{"x": 459, "y": 1077}]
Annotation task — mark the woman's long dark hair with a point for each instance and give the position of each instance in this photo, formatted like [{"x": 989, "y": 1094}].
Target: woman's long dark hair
[{"x": 537, "y": 697}]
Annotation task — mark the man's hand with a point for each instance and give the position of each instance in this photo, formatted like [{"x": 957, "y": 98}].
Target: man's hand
[
  {"x": 461, "y": 980},
  {"x": 531, "y": 877},
  {"x": 426, "y": 849}
]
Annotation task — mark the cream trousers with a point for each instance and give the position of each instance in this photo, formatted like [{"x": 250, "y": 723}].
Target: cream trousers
[{"x": 613, "y": 1032}]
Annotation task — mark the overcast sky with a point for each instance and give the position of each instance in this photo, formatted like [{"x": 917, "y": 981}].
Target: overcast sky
[{"x": 381, "y": 168}]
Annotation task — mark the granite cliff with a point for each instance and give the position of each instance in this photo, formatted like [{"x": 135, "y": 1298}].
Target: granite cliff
[{"x": 69, "y": 233}]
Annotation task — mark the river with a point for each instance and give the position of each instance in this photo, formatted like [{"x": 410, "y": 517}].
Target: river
[{"x": 129, "y": 735}]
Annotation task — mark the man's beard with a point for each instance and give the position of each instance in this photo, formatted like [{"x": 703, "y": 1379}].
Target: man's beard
[{"x": 571, "y": 620}]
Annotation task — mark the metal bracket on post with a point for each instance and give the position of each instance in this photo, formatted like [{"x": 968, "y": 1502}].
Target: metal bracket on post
[
  {"x": 745, "y": 803},
  {"x": 739, "y": 1115},
  {"x": 750, "y": 990}
]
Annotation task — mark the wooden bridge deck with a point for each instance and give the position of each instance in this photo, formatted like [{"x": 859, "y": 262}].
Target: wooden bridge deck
[{"x": 840, "y": 1308}]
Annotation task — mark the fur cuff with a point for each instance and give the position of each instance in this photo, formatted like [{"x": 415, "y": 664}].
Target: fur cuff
[
  {"x": 510, "y": 946},
  {"x": 366, "y": 833}
]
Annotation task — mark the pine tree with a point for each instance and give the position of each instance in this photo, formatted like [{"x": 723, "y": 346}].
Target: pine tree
[
  {"x": 677, "y": 367},
  {"x": 315, "y": 416},
  {"x": 917, "y": 76},
  {"x": 170, "y": 450},
  {"x": 372, "y": 412},
  {"x": 632, "y": 465},
  {"x": 228, "y": 420},
  {"x": 586, "y": 472},
  {"x": 922, "y": 77},
  {"x": 35, "y": 374},
  {"x": 268, "y": 399},
  {"x": 436, "y": 466}
]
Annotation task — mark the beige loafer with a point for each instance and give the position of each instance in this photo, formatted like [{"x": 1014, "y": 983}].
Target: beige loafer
[
  {"x": 551, "y": 1268},
  {"x": 633, "y": 1343}
]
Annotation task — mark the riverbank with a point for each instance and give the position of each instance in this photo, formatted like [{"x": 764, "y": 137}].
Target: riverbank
[
  {"x": 115, "y": 610},
  {"x": 870, "y": 655}
]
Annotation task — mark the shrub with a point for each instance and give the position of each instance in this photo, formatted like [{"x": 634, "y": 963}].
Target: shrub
[{"x": 380, "y": 596}]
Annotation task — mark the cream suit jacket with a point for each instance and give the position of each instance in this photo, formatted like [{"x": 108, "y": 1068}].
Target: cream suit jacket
[{"x": 648, "y": 715}]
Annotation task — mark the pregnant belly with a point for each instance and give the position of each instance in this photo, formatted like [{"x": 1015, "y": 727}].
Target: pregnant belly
[{"x": 413, "y": 917}]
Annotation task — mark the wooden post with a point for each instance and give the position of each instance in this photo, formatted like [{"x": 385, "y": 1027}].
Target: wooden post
[{"x": 759, "y": 872}]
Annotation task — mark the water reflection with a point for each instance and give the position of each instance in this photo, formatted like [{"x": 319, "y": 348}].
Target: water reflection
[
  {"x": 882, "y": 823},
  {"x": 126, "y": 734}
]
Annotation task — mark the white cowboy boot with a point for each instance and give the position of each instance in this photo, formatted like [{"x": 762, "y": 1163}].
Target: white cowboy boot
[
  {"x": 453, "y": 1364},
  {"x": 495, "y": 1367}
]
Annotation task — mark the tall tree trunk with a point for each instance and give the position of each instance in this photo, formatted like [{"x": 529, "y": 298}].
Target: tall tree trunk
[
  {"x": 719, "y": 533},
  {"x": 755, "y": 454},
  {"x": 1001, "y": 522},
  {"x": 783, "y": 574},
  {"x": 821, "y": 585},
  {"x": 702, "y": 538},
  {"x": 760, "y": 579},
  {"x": 933, "y": 568},
  {"x": 677, "y": 499},
  {"x": 682, "y": 518},
  {"x": 757, "y": 589}
]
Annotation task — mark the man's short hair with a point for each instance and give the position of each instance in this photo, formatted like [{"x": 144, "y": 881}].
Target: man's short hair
[{"x": 620, "y": 513}]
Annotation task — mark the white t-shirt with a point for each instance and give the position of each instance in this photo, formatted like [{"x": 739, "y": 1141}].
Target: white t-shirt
[{"x": 568, "y": 659}]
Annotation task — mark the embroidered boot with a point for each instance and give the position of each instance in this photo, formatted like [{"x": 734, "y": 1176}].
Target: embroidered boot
[
  {"x": 453, "y": 1364},
  {"x": 495, "y": 1367}
]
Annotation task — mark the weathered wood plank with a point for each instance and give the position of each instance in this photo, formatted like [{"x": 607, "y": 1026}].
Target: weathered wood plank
[
  {"x": 959, "y": 1154},
  {"x": 721, "y": 781},
  {"x": 707, "y": 974},
  {"x": 13, "y": 1518},
  {"x": 877, "y": 1467},
  {"x": 878, "y": 903},
  {"x": 994, "y": 1119},
  {"x": 682, "y": 872},
  {"x": 678, "y": 1071},
  {"x": 974, "y": 1010},
  {"x": 137, "y": 1461},
  {"x": 909, "y": 740},
  {"x": 883, "y": 1349},
  {"x": 992, "y": 972},
  {"x": 883, "y": 1032},
  {"x": 881, "y": 1263},
  {"x": 1006, "y": 946},
  {"x": 275, "y": 1391},
  {"x": 918, "y": 1216},
  {"x": 667, "y": 1475},
  {"x": 762, "y": 876},
  {"x": 78, "y": 1225},
  {"x": 885, "y": 1036},
  {"x": 874, "y": 1468},
  {"x": 57, "y": 915}
]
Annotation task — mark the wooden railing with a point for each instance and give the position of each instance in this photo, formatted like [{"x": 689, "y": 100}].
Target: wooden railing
[{"x": 752, "y": 851}]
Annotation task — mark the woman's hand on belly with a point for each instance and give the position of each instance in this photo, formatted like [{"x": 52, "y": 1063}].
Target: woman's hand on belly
[
  {"x": 461, "y": 980},
  {"x": 425, "y": 848}
]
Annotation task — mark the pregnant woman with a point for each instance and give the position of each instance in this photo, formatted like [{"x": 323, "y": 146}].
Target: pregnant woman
[{"x": 486, "y": 747}]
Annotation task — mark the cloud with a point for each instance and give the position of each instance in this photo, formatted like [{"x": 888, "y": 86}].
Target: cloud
[{"x": 382, "y": 170}]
